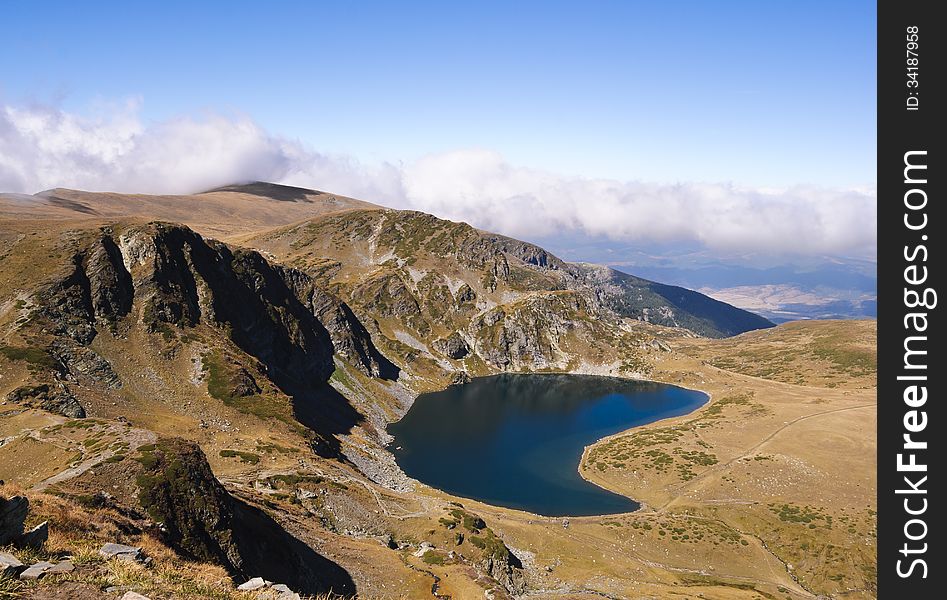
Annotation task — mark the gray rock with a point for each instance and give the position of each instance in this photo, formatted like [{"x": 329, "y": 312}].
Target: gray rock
[
  {"x": 423, "y": 548},
  {"x": 305, "y": 494},
  {"x": 134, "y": 596},
  {"x": 10, "y": 566},
  {"x": 65, "y": 566},
  {"x": 243, "y": 383},
  {"x": 12, "y": 516},
  {"x": 60, "y": 401},
  {"x": 34, "y": 538},
  {"x": 131, "y": 553},
  {"x": 284, "y": 593},
  {"x": 85, "y": 361},
  {"x": 65, "y": 404},
  {"x": 253, "y": 584},
  {"x": 36, "y": 571},
  {"x": 452, "y": 346},
  {"x": 460, "y": 378}
]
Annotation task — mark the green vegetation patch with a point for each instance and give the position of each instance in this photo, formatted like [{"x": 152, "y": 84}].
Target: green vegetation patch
[
  {"x": 35, "y": 358},
  {"x": 271, "y": 447},
  {"x": 289, "y": 480},
  {"x": 246, "y": 457},
  {"x": 471, "y": 522},
  {"x": 220, "y": 386},
  {"x": 490, "y": 544},
  {"x": 433, "y": 557},
  {"x": 806, "y": 515},
  {"x": 715, "y": 410}
]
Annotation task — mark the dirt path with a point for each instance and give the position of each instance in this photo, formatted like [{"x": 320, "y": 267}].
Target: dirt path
[{"x": 753, "y": 449}]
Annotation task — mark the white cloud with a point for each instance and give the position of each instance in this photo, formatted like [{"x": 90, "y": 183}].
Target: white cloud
[{"x": 42, "y": 147}]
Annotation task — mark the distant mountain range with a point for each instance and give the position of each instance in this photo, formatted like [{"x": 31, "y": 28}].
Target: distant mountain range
[{"x": 778, "y": 288}]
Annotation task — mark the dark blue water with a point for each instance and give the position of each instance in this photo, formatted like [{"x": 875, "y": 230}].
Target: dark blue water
[{"x": 516, "y": 440}]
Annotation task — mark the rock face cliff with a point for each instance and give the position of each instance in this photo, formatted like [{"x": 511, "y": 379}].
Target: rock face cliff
[{"x": 167, "y": 276}]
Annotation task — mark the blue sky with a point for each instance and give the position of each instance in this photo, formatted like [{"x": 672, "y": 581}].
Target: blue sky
[{"x": 765, "y": 94}]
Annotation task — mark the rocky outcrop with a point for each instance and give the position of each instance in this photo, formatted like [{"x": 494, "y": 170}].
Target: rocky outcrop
[
  {"x": 386, "y": 295},
  {"x": 82, "y": 361},
  {"x": 182, "y": 280},
  {"x": 13, "y": 513},
  {"x": 10, "y": 566},
  {"x": 243, "y": 384},
  {"x": 350, "y": 338},
  {"x": 507, "y": 571},
  {"x": 35, "y": 538},
  {"x": 58, "y": 400},
  {"x": 110, "y": 284},
  {"x": 528, "y": 335},
  {"x": 526, "y": 252},
  {"x": 202, "y": 521},
  {"x": 97, "y": 287},
  {"x": 453, "y": 346},
  {"x": 179, "y": 279}
]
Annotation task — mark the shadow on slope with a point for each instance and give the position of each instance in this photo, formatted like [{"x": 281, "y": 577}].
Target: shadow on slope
[
  {"x": 203, "y": 521},
  {"x": 273, "y": 191}
]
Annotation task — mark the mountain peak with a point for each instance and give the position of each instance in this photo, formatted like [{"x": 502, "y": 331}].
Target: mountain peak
[{"x": 267, "y": 189}]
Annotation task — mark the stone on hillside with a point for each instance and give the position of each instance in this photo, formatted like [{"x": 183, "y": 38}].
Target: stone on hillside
[
  {"x": 423, "y": 548},
  {"x": 59, "y": 401},
  {"x": 65, "y": 566},
  {"x": 305, "y": 494},
  {"x": 12, "y": 516},
  {"x": 253, "y": 584},
  {"x": 34, "y": 538},
  {"x": 134, "y": 596},
  {"x": 36, "y": 571},
  {"x": 243, "y": 384},
  {"x": 283, "y": 592},
  {"x": 460, "y": 378},
  {"x": 9, "y": 565},
  {"x": 453, "y": 346},
  {"x": 131, "y": 553}
]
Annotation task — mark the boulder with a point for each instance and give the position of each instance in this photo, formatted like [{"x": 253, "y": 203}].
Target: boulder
[
  {"x": 10, "y": 566},
  {"x": 65, "y": 566},
  {"x": 460, "y": 378},
  {"x": 36, "y": 571},
  {"x": 121, "y": 551},
  {"x": 253, "y": 584},
  {"x": 282, "y": 592},
  {"x": 12, "y": 516},
  {"x": 59, "y": 401},
  {"x": 34, "y": 538}
]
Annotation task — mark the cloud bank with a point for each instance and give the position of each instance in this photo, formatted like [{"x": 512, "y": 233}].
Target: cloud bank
[{"x": 43, "y": 147}]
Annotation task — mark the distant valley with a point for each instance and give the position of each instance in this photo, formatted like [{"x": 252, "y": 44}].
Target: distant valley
[{"x": 778, "y": 288}]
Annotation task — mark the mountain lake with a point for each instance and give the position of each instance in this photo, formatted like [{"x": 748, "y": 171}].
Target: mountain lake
[{"x": 516, "y": 440}]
